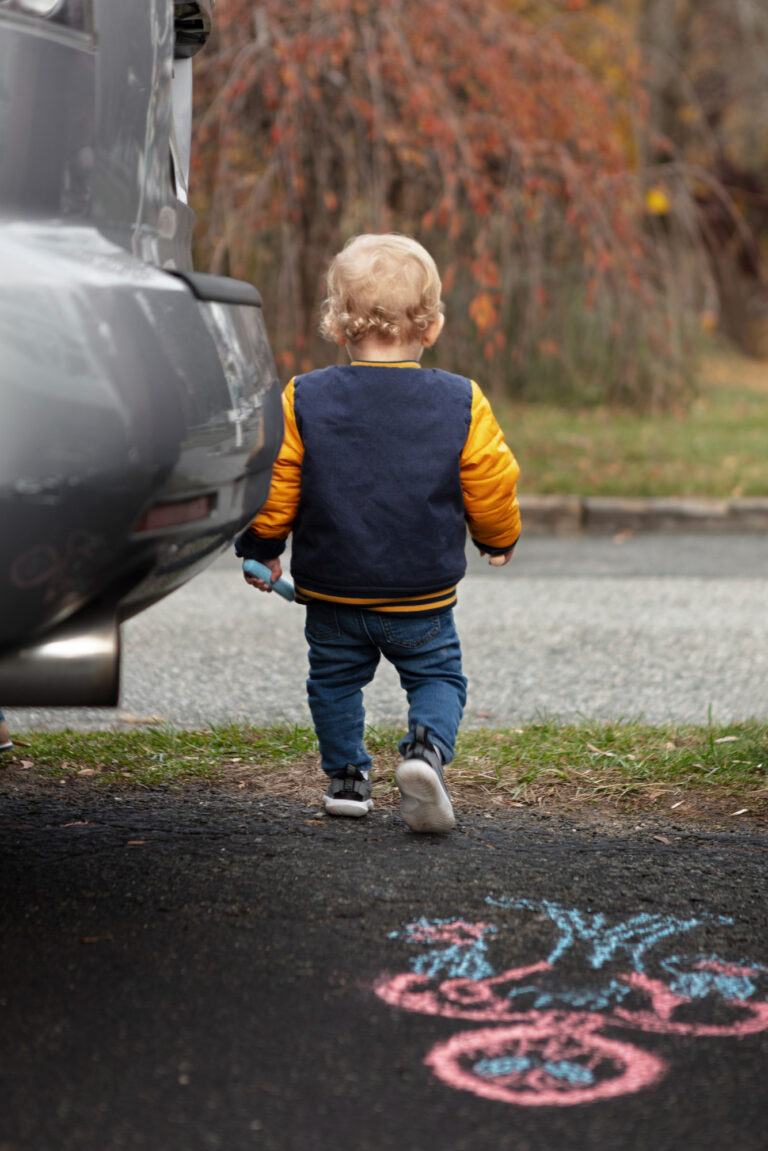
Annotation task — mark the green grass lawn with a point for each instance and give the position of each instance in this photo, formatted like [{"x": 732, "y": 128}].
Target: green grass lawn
[
  {"x": 718, "y": 447},
  {"x": 548, "y": 761}
]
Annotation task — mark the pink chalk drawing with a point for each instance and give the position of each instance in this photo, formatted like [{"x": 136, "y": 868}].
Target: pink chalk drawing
[
  {"x": 543, "y": 1041},
  {"x": 552, "y": 1059}
]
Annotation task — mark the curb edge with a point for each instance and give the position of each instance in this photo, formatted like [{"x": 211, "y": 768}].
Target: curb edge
[{"x": 605, "y": 515}]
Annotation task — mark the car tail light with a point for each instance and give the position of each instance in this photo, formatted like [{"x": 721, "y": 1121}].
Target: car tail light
[{"x": 176, "y": 512}]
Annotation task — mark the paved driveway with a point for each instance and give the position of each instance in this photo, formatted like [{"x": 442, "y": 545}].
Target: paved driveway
[{"x": 185, "y": 972}]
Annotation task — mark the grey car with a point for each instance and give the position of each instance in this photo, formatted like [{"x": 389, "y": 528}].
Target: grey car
[{"x": 140, "y": 413}]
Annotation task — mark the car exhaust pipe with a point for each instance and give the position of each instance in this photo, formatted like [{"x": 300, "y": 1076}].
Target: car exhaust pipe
[{"x": 75, "y": 665}]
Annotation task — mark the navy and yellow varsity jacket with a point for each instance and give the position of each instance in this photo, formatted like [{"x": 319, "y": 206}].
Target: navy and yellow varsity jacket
[{"x": 382, "y": 469}]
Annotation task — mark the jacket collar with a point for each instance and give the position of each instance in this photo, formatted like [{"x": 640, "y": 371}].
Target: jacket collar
[{"x": 385, "y": 364}]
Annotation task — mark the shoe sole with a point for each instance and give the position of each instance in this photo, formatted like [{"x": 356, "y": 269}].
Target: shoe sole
[
  {"x": 352, "y": 807},
  {"x": 426, "y": 805}
]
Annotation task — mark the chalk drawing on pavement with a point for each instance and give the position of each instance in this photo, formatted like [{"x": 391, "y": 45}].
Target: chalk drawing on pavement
[{"x": 543, "y": 1040}]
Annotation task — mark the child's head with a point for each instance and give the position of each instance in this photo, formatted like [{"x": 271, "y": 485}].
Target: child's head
[{"x": 386, "y": 287}]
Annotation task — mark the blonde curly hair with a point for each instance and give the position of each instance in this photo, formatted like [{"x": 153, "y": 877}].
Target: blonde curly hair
[{"x": 386, "y": 286}]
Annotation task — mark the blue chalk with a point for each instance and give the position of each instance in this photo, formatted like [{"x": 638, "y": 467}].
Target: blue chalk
[{"x": 283, "y": 586}]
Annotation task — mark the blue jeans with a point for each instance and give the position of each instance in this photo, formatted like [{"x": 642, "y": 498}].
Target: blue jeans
[{"x": 345, "y": 646}]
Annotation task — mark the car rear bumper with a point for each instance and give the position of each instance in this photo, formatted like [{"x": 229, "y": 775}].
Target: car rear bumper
[{"x": 140, "y": 417}]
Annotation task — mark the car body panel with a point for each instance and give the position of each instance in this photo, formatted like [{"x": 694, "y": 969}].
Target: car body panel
[{"x": 140, "y": 412}]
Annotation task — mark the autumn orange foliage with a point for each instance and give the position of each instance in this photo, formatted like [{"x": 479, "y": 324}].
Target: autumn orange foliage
[{"x": 462, "y": 123}]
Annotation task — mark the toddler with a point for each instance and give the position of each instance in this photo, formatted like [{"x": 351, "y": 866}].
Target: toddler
[{"x": 384, "y": 466}]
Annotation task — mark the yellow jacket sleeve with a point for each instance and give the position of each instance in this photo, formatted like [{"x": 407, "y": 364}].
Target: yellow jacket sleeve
[
  {"x": 275, "y": 519},
  {"x": 489, "y": 474}
]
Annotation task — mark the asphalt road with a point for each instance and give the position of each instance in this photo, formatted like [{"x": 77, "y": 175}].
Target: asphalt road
[
  {"x": 191, "y": 971},
  {"x": 654, "y": 627}
]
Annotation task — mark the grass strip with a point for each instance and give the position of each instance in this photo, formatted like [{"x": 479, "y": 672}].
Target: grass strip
[
  {"x": 548, "y": 760},
  {"x": 717, "y": 446}
]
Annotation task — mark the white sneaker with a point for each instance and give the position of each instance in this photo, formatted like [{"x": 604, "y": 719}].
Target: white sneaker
[{"x": 426, "y": 804}]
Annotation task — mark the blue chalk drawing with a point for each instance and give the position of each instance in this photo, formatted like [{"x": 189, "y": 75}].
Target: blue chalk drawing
[
  {"x": 506, "y": 1065},
  {"x": 465, "y": 953},
  {"x": 697, "y": 976},
  {"x": 628, "y": 940},
  {"x": 455, "y": 949}
]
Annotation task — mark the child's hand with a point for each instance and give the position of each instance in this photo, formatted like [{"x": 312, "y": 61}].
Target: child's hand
[
  {"x": 499, "y": 561},
  {"x": 275, "y": 568}
]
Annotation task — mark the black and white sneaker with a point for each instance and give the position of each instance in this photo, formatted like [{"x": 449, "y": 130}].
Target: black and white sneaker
[
  {"x": 348, "y": 794},
  {"x": 426, "y": 804}
]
